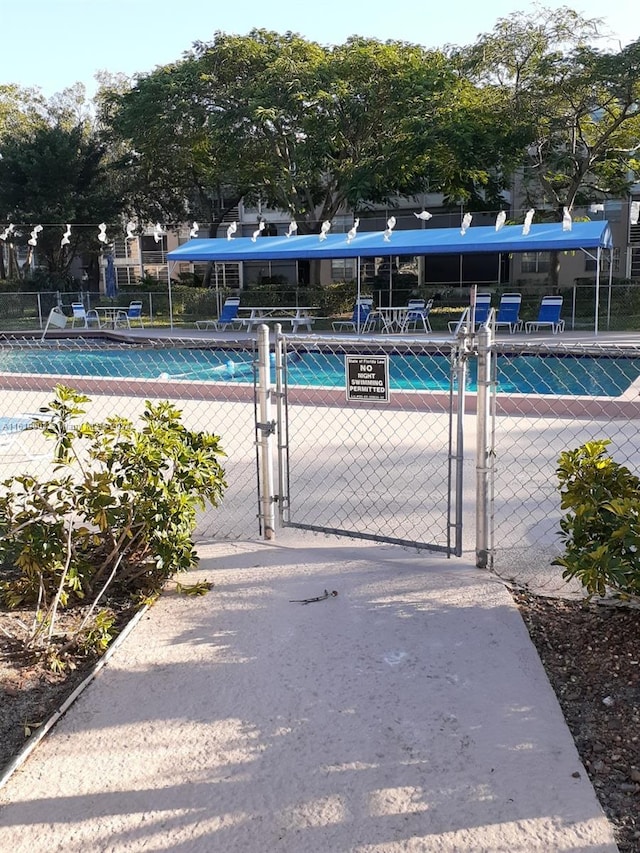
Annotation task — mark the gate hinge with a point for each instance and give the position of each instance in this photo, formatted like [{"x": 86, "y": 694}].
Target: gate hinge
[{"x": 268, "y": 428}]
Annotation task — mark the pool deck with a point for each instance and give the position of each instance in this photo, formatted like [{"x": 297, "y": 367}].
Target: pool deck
[{"x": 178, "y": 333}]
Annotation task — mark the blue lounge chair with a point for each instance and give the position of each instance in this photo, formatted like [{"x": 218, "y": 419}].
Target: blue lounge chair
[
  {"x": 548, "y": 315},
  {"x": 133, "y": 313},
  {"x": 228, "y": 316},
  {"x": 417, "y": 312},
  {"x": 509, "y": 312},
  {"x": 481, "y": 314},
  {"x": 359, "y": 318}
]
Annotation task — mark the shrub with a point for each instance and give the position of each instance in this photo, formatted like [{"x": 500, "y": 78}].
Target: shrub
[
  {"x": 601, "y": 530},
  {"x": 120, "y": 512}
]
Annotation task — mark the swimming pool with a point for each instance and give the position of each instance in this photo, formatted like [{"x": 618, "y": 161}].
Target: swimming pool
[{"x": 517, "y": 373}]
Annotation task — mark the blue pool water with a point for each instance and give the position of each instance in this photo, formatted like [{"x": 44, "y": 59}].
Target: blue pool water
[{"x": 524, "y": 374}]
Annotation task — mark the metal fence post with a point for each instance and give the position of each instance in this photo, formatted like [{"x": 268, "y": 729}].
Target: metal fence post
[
  {"x": 266, "y": 431},
  {"x": 483, "y": 449},
  {"x": 282, "y": 425}
]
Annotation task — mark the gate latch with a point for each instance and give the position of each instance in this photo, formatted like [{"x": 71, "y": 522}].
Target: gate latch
[{"x": 268, "y": 428}]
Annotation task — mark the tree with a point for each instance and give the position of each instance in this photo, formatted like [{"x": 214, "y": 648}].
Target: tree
[
  {"x": 308, "y": 130},
  {"x": 56, "y": 173},
  {"x": 577, "y": 105}
]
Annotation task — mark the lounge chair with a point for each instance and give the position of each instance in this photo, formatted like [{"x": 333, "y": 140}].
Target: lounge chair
[
  {"x": 132, "y": 313},
  {"x": 86, "y": 317},
  {"x": 509, "y": 312},
  {"x": 56, "y": 318},
  {"x": 359, "y": 318},
  {"x": 417, "y": 312},
  {"x": 228, "y": 316},
  {"x": 481, "y": 314},
  {"x": 548, "y": 315}
]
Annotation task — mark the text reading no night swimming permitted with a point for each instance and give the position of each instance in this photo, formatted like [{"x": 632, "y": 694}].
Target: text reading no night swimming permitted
[{"x": 367, "y": 377}]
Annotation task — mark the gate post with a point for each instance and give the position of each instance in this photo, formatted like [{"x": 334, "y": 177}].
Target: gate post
[
  {"x": 483, "y": 449},
  {"x": 266, "y": 429}
]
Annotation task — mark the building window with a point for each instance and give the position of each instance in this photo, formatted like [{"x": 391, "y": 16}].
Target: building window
[
  {"x": 590, "y": 264},
  {"x": 535, "y": 262},
  {"x": 343, "y": 269}
]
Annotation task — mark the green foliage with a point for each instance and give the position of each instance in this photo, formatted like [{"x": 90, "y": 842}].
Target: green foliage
[
  {"x": 576, "y": 105},
  {"x": 119, "y": 512},
  {"x": 306, "y": 129},
  {"x": 601, "y": 529},
  {"x": 56, "y": 174}
]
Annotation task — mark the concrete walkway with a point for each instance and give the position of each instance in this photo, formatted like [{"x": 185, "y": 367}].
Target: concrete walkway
[{"x": 408, "y": 713}]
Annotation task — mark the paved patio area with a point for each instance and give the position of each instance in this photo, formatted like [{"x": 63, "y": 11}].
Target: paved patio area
[{"x": 409, "y": 712}]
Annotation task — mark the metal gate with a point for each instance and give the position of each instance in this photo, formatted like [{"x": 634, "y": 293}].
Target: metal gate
[{"x": 389, "y": 471}]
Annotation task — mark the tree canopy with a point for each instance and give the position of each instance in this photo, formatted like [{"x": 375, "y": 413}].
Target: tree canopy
[
  {"x": 310, "y": 130},
  {"x": 53, "y": 174},
  {"x": 316, "y": 131},
  {"x": 576, "y": 105}
]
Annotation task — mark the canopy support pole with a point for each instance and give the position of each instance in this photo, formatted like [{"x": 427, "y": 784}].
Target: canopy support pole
[{"x": 170, "y": 267}]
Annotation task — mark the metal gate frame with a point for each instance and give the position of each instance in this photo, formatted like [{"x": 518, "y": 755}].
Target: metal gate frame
[{"x": 265, "y": 426}]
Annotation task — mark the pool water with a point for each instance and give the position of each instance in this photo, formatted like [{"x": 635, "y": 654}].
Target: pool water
[{"x": 524, "y": 374}]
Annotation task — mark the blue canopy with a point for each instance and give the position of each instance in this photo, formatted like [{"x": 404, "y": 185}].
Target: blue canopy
[{"x": 427, "y": 241}]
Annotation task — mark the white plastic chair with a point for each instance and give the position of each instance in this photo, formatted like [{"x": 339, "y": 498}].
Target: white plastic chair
[
  {"x": 86, "y": 317},
  {"x": 56, "y": 318},
  {"x": 417, "y": 312}
]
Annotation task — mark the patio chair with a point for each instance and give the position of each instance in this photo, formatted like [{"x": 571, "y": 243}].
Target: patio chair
[
  {"x": 132, "y": 313},
  {"x": 228, "y": 316},
  {"x": 548, "y": 315},
  {"x": 417, "y": 312},
  {"x": 56, "y": 318},
  {"x": 483, "y": 306},
  {"x": 509, "y": 312},
  {"x": 85, "y": 317},
  {"x": 359, "y": 318}
]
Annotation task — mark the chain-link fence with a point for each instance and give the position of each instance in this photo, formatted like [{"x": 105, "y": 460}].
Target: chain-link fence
[
  {"x": 395, "y": 472},
  {"x": 212, "y": 387},
  {"x": 373, "y": 469},
  {"x": 553, "y": 397}
]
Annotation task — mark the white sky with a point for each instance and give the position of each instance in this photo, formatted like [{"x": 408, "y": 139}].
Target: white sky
[{"x": 55, "y": 43}]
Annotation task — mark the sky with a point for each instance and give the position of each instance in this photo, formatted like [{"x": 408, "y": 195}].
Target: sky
[{"x": 52, "y": 44}]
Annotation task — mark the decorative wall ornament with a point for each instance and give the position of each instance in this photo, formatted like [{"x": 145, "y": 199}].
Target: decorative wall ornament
[
  {"x": 258, "y": 231},
  {"x": 388, "y": 231},
  {"x": 466, "y": 223},
  {"x": 324, "y": 229},
  {"x": 33, "y": 240},
  {"x": 527, "y": 222}
]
